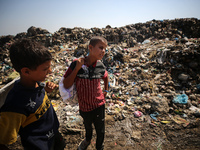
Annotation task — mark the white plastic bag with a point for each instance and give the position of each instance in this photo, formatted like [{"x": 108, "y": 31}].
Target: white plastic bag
[{"x": 69, "y": 95}]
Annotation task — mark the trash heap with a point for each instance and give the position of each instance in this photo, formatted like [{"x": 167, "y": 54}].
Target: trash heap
[
  {"x": 156, "y": 77},
  {"x": 157, "y": 81},
  {"x": 153, "y": 67}
]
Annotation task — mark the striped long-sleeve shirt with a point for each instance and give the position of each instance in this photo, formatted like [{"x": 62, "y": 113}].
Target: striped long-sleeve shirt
[{"x": 90, "y": 95}]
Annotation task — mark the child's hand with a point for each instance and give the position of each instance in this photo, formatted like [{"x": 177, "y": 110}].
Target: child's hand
[
  {"x": 79, "y": 63},
  {"x": 50, "y": 86}
]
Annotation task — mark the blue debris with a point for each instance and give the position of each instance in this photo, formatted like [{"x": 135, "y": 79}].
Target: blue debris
[{"x": 181, "y": 99}]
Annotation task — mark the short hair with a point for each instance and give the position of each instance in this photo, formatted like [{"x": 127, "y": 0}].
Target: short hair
[
  {"x": 28, "y": 53},
  {"x": 94, "y": 40}
]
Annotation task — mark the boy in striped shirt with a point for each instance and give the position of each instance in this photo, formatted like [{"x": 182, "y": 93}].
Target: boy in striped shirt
[{"x": 86, "y": 73}]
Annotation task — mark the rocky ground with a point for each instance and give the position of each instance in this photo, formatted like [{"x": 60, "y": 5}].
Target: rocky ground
[{"x": 154, "y": 83}]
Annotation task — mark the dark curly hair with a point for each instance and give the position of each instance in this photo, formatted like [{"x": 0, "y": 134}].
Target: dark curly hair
[
  {"x": 94, "y": 40},
  {"x": 28, "y": 53}
]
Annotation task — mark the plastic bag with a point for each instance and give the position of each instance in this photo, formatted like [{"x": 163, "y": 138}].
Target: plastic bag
[
  {"x": 195, "y": 111},
  {"x": 138, "y": 114},
  {"x": 69, "y": 95},
  {"x": 181, "y": 99}
]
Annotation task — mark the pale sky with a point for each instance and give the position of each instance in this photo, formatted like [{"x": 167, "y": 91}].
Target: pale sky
[{"x": 17, "y": 16}]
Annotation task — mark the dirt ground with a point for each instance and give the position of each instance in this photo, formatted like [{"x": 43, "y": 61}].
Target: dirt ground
[{"x": 130, "y": 133}]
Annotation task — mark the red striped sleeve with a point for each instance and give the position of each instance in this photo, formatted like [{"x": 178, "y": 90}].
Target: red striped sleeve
[{"x": 105, "y": 74}]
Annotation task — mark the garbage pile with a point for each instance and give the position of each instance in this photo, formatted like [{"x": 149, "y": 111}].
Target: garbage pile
[
  {"x": 153, "y": 67},
  {"x": 157, "y": 77}
]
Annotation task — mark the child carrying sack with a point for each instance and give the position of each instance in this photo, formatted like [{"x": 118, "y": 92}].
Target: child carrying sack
[{"x": 69, "y": 95}]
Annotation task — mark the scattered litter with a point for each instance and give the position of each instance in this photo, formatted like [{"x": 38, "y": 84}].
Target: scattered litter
[
  {"x": 181, "y": 99},
  {"x": 153, "y": 116}
]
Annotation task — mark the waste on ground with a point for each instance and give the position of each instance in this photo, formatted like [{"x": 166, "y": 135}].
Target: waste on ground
[{"x": 154, "y": 76}]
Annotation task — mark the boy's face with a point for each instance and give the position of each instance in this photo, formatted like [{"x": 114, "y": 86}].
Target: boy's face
[
  {"x": 41, "y": 72},
  {"x": 98, "y": 51}
]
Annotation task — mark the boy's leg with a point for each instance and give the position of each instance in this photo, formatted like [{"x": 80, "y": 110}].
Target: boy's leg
[
  {"x": 58, "y": 143},
  {"x": 87, "y": 120},
  {"x": 99, "y": 123}
]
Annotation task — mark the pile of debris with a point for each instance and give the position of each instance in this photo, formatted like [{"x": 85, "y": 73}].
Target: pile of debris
[{"x": 153, "y": 66}]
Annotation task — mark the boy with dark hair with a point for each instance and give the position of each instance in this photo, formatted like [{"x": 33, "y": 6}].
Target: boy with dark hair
[
  {"x": 27, "y": 111},
  {"x": 87, "y": 73}
]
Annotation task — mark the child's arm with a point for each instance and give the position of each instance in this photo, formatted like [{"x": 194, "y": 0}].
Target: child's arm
[
  {"x": 69, "y": 80},
  {"x": 50, "y": 86},
  {"x": 10, "y": 123},
  {"x": 105, "y": 85}
]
